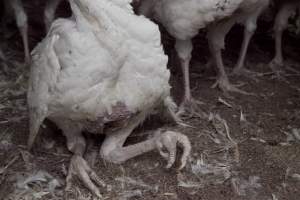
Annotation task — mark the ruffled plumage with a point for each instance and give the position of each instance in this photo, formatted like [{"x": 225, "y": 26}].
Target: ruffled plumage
[{"x": 103, "y": 56}]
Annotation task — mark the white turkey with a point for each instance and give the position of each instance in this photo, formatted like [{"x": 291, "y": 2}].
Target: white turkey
[
  {"x": 184, "y": 18},
  {"x": 287, "y": 9},
  {"x": 103, "y": 65}
]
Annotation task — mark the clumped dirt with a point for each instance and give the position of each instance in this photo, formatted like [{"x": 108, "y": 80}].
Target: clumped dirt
[{"x": 255, "y": 158}]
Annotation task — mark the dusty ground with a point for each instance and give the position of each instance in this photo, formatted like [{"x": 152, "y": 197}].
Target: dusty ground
[{"x": 262, "y": 161}]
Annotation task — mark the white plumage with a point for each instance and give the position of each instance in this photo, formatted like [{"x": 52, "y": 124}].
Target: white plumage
[
  {"x": 91, "y": 63},
  {"x": 184, "y": 18},
  {"x": 104, "y": 64},
  {"x": 100, "y": 61}
]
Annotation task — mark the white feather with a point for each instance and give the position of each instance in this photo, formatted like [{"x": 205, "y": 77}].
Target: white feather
[
  {"x": 102, "y": 56},
  {"x": 184, "y": 18}
]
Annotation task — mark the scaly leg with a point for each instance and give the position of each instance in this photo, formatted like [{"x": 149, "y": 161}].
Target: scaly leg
[
  {"x": 216, "y": 36},
  {"x": 169, "y": 141},
  {"x": 113, "y": 150},
  {"x": 250, "y": 25},
  {"x": 78, "y": 166},
  {"x": 281, "y": 23},
  {"x": 49, "y": 12},
  {"x": 24, "y": 34},
  {"x": 184, "y": 49},
  {"x": 222, "y": 80},
  {"x": 239, "y": 68},
  {"x": 21, "y": 19}
]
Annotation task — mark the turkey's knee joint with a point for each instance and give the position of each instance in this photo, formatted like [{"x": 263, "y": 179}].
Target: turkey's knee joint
[
  {"x": 250, "y": 27},
  {"x": 281, "y": 21},
  {"x": 48, "y": 18},
  {"x": 184, "y": 49},
  {"x": 76, "y": 145},
  {"x": 280, "y": 25},
  {"x": 21, "y": 19},
  {"x": 216, "y": 41},
  {"x": 112, "y": 155},
  {"x": 49, "y": 13}
]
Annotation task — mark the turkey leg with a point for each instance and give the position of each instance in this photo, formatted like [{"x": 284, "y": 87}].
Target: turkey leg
[
  {"x": 21, "y": 19},
  {"x": 78, "y": 166},
  {"x": 113, "y": 150}
]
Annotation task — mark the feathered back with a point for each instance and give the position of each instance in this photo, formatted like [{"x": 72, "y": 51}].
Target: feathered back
[
  {"x": 103, "y": 56},
  {"x": 184, "y": 18},
  {"x": 133, "y": 43}
]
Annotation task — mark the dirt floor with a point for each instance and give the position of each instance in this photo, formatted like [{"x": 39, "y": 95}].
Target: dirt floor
[{"x": 248, "y": 147}]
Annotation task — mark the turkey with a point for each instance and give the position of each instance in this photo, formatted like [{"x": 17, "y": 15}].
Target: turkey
[
  {"x": 287, "y": 8},
  {"x": 17, "y": 8},
  {"x": 104, "y": 65},
  {"x": 184, "y": 18}
]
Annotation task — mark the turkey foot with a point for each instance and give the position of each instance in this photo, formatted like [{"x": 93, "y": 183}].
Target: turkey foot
[
  {"x": 190, "y": 107},
  {"x": 224, "y": 84},
  {"x": 169, "y": 141},
  {"x": 246, "y": 73},
  {"x": 80, "y": 168},
  {"x": 24, "y": 35},
  {"x": 276, "y": 67}
]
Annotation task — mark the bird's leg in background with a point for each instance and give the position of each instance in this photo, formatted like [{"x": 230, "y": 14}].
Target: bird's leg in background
[
  {"x": 240, "y": 64},
  {"x": 78, "y": 166},
  {"x": 112, "y": 149},
  {"x": 281, "y": 23},
  {"x": 216, "y": 36},
  {"x": 250, "y": 28},
  {"x": 49, "y": 12},
  {"x": 210, "y": 64},
  {"x": 21, "y": 19},
  {"x": 184, "y": 50},
  {"x": 3, "y": 61}
]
